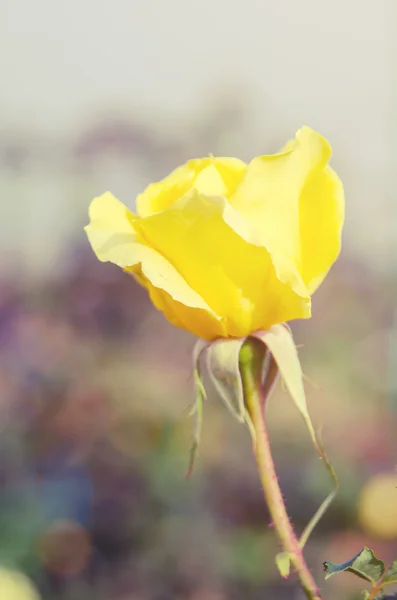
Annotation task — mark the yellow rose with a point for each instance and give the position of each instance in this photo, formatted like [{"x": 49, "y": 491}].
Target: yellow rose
[{"x": 225, "y": 248}]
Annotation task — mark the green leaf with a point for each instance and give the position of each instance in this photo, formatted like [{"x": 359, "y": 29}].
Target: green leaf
[
  {"x": 223, "y": 368},
  {"x": 283, "y": 564},
  {"x": 364, "y": 564},
  {"x": 198, "y": 406},
  {"x": 280, "y": 342},
  {"x": 391, "y": 575}
]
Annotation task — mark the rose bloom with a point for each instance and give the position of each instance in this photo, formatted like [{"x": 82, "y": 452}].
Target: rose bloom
[{"x": 226, "y": 248}]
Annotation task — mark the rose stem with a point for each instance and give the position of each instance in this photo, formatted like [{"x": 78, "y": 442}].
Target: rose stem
[{"x": 251, "y": 368}]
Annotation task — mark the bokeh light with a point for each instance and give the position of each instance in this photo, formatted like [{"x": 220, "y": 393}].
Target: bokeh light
[
  {"x": 377, "y": 508},
  {"x": 14, "y": 585}
]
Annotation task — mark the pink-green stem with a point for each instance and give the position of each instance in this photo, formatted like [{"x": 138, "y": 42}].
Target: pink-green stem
[{"x": 251, "y": 368}]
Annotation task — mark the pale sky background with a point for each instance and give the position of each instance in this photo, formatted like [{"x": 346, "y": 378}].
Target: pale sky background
[{"x": 330, "y": 65}]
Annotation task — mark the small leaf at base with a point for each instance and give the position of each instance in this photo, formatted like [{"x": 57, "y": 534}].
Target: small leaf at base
[{"x": 283, "y": 564}]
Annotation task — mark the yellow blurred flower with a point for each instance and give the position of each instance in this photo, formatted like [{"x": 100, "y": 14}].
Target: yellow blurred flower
[
  {"x": 377, "y": 506},
  {"x": 15, "y": 586},
  {"x": 225, "y": 248}
]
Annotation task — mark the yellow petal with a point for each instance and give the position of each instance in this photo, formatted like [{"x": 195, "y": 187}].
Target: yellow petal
[
  {"x": 201, "y": 322},
  {"x": 230, "y": 169},
  {"x": 322, "y": 211},
  {"x": 268, "y": 197},
  {"x": 209, "y": 182},
  {"x": 111, "y": 229},
  {"x": 113, "y": 238},
  {"x": 158, "y": 196},
  {"x": 212, "y": 176},
  {"x": 203, "y": 238}
]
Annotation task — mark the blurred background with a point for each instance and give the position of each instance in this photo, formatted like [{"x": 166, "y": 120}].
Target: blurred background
[{"x": 94, "y": 383}]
